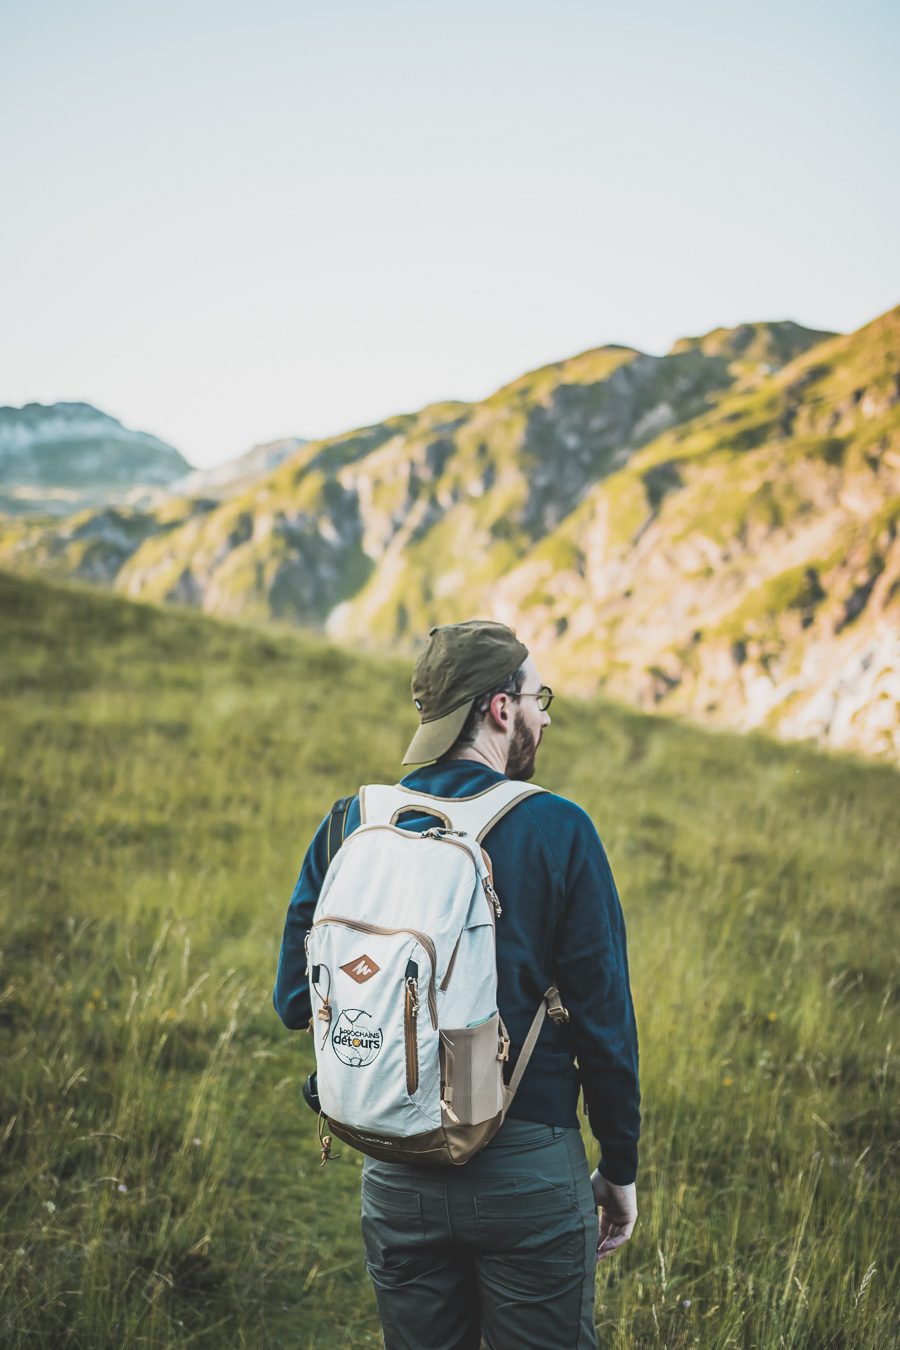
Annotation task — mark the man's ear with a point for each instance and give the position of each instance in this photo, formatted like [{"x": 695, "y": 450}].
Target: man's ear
[{"x": 499, "y": 711}]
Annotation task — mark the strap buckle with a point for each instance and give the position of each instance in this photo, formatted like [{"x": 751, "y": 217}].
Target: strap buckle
[{"x": 555, "y": 1010}]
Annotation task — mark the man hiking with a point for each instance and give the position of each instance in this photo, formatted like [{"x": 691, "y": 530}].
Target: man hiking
[{"x": 505, "y": 1246}]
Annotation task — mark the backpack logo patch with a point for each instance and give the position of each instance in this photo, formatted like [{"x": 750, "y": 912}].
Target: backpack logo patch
[
  {"x": 355, "y": 1039},
  {"x": 361, "y": 968}
]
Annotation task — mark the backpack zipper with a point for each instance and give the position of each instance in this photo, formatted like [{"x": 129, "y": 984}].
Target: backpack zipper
[
  {"x": 452, "y": 962},
  {"x": 423, "y": 938},
  {"x": 491, "y": 895},
  {"x": 442, "y": 835},
  {"x": 411, "y": 1013}
]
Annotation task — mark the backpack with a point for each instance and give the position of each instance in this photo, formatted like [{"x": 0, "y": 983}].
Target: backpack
[{"x": 410, "y": 1046}]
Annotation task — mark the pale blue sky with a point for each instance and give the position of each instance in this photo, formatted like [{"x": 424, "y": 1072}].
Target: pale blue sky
[{"x": 224, "y": 223}]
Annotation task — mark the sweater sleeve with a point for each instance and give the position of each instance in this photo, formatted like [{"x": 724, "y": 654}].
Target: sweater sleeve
[
  {"x": 291, "y": 993},
  {"x": 592, "y": 972}
]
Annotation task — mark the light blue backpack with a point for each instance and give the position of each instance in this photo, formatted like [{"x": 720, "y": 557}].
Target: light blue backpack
[{"x": 410, "y": 1045}]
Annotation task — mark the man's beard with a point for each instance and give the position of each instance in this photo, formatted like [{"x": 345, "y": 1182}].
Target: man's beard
[{"x": 522, "y": 751}]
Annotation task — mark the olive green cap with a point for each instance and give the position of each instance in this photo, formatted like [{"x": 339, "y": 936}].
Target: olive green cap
[{"x": 459, "y": 662}]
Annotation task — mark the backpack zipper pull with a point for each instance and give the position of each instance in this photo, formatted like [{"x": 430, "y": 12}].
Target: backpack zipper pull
[
  {"x": 411, "y": 980},
  {"x": 325, "y": 1141},
  {"x": 492, "y": 896},
  {"x": 323, "y": 1013}
]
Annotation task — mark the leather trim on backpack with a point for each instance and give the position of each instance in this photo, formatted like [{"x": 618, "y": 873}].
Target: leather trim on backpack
[{"x": 447, "y": 1146}]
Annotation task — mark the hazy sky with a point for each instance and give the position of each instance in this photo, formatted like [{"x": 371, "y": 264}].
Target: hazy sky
[{"x": 229, "y": 222}]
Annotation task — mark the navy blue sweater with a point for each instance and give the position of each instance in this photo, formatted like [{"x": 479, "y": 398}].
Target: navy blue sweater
[{"x": 562, "y": 924}]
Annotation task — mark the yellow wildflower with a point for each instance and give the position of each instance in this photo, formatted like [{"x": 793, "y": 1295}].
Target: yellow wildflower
[{"x": 727, "y": 1082}]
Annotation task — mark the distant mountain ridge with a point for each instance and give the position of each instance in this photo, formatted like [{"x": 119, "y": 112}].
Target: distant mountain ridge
[
  {"x": 234, "y": 475},
  {"x": 61, "y": 456},
  {"x": 710, "y": 532}
]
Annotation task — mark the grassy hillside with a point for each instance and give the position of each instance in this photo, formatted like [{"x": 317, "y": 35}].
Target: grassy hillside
[{"x": 161, "y": 774}]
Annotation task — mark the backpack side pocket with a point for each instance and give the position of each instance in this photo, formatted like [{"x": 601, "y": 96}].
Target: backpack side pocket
[{"x": 472, "y": 1071}]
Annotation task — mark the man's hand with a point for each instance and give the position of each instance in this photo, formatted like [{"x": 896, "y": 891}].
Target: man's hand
[{"x": 618, "y": 1213}]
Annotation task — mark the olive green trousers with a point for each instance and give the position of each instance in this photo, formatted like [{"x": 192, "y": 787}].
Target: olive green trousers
[{"x": 502, "y": 1248}]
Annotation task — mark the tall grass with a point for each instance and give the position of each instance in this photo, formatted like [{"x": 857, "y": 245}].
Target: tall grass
[{"x": 160, "y": 1183}]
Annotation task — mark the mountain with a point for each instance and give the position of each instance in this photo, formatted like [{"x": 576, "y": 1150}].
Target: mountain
[
  {"x": 223, "y": 480},
  {"x": 744, "y": 568},
  {"x": 61, "y": 457},
  {"x": 710, "y": 532}
]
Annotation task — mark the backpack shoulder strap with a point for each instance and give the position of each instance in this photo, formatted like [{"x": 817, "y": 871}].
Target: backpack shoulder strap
[
  {"x": 337, "y": 825},
  {"x": 382, "y": 805},
  {"x": 551, "y": 1006},
  {"x": 490, "y": 809}
]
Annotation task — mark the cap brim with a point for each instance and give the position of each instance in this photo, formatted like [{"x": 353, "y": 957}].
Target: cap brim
[{"x": 434, "y": 738}]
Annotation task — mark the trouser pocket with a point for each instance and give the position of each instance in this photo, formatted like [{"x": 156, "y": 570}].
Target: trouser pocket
[{"x": 536, "y": 1262}]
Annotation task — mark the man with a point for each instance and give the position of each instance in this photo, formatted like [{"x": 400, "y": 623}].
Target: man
[{"x": 505, "y": 1247}]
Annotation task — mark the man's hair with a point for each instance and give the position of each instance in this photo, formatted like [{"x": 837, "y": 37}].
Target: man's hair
[{"x": 478, "y": 712}]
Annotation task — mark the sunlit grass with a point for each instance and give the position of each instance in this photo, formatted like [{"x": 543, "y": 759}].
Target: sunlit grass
[{"x": 161, "y": 775}]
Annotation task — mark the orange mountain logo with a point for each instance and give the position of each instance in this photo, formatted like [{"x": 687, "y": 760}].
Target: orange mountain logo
[{"x": 361, "y": 968}]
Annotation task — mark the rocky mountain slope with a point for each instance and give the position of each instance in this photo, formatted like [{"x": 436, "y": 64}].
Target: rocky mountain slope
[
  {"x": 745, "y": 568},
  {"x": 711, "y": 532},
  {"x": 61, "y": 457}
]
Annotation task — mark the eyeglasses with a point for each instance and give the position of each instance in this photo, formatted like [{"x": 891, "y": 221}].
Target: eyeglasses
[{"x": 544, "y": 696}]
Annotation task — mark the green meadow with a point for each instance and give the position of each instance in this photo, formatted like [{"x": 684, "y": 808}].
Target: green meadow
[{"x": 159, "y": 1173}]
